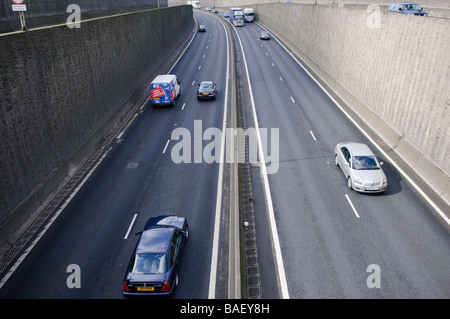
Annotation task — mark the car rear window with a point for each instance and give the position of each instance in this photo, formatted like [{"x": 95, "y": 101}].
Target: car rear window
[{"x": 150, "y": 263}]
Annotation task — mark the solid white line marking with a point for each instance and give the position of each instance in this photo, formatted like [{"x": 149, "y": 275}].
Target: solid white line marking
[
  {"x": 292, "y": 99},
  {"x": 131, "y": 225},
  {"x": 273, "y": 64},
  {"x": 165, "y": 148},
  {"x": 351, "y": 204},
  {"x": 217, "y": 218},
  {"x": 268, "y": 196},
  {"x": 312, "y": 134},
  {"x": 397, "y": 167},
  {"x": 118, "y": 137}
]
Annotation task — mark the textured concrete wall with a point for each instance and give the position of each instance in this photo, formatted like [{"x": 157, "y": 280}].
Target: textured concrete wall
[
  {"x": 400, "y": 71},
  {"x": 59, "y": 85},
  {"x": 50, "y": 12}
]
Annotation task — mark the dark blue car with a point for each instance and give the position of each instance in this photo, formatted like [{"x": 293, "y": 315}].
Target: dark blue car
[
  {"x": 407, "y": 8},
  {"x": 153, "y": 268}
]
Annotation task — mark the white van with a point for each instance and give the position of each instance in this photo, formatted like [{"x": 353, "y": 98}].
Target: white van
[{"x": 164, "y": 89}]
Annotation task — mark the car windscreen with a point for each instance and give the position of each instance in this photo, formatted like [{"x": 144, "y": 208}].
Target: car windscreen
[
  {"x": 150, "y": 263},
  {"x": 364, "y": 163}
]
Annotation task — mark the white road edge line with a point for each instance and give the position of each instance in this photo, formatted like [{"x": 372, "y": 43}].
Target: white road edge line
[
  {"x": 273, "y": 225},
  {"x": 131, "y": 225},
  {"x": 351, "y": 204},
  {"x": 397, "y": 167},
  {"x": 165, "y": 148},
  {"x": 217, "y": 218}
]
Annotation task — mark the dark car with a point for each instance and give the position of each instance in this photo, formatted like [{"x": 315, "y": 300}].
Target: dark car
[
  {"x": 265, "y": 35},
  {"x": 202, "y": 28},
  {"x": 207, "y": 90},
  {"x": 153, "y": 268},
  {"x": 407, "y": 8}
]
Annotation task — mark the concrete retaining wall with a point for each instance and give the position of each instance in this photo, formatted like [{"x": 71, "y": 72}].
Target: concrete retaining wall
[
  {"x": 400, "y": 72},
  {"x": 46, "y": 12},
  {"x": 59, "y": 88}
]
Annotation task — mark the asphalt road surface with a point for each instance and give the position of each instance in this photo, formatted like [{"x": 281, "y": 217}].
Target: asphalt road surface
[{"x": 316, "y": 238}]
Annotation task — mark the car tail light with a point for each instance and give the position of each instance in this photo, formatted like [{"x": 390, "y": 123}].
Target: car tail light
[
  {"x": 125, "y": 287},
  {"x": 166, "y": 286}
]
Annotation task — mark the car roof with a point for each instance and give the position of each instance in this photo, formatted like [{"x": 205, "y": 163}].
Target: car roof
[
  {"x": 155, "y": 240},
  {"x": 358, "y": 149}
]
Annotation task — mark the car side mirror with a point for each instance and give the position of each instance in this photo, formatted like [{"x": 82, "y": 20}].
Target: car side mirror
[
  {"x": 381, "y": 163},
  {"x": 138, "y": 233},
  {"x": 347, "y": 163}
]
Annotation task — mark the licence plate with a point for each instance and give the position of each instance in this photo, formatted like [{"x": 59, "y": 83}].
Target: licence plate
[
  {"x": 145, "y": 288},
  {"x": 373, "y": 188},
  {"x": 205, "y": 93}
]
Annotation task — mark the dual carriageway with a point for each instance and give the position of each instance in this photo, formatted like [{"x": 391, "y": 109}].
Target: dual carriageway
[{"x": 315, "y": 238}]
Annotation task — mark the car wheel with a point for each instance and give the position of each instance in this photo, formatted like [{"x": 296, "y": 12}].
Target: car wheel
[
  {"x": 349, "y": 182},
  {"x": 336, "y": 160}
]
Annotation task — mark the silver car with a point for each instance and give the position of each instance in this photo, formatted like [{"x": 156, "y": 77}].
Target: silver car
[{"x": 360, "y": 167}]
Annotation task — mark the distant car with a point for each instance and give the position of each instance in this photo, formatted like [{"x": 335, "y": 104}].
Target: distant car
[
  {"x": 225, "y": 15},
  {"x": 215, "y": 11},
  {"x": 202, "y": 28},
  {"x": 407, "y": 8},
  {"x": 153, "y": 268},
  {"x": 360, "y": 167},
  {"x": 265, "y": 35},
  {"x": 206, "y": 90}
]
